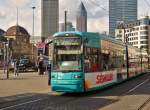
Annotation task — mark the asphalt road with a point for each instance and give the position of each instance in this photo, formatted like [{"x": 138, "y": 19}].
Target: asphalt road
[{"x": 130, "y": 95}]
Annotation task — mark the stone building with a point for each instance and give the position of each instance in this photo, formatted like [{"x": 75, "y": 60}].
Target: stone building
[
  {"x": 2, "y": 38},
  {"x": 19, "y": 43},
  {"x": 2, "y": 42}
]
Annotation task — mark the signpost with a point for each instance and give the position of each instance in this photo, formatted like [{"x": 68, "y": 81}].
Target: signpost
[{"x": 41, "y": 47}]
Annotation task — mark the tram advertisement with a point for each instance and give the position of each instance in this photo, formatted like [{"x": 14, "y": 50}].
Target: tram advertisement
[{"x": 98, "y": 79}]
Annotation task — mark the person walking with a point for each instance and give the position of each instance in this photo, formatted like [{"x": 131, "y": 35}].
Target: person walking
[
  {"x": 41, "y": 67},
  {"x": 16, "y": 67},
  {"x": 49, "y": 73}
]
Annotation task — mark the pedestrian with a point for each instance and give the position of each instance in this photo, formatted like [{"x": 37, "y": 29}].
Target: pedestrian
[
  {"x": 16, "y": 67},
  {"x": 49, "y": 73},
  {"x": 41, "y": 67}
]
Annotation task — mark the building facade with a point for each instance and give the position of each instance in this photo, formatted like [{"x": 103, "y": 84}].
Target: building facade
[
  {"x": 19, "y": 43},
  {"x": 3, "y": 40},
  {"x": 81, "y": 19},
  {"x": 121, "y": 10},
  {"x": 49, "y": 17},
  {"x": 69, "y": 27},
  {"x": 137, "y": 33}
]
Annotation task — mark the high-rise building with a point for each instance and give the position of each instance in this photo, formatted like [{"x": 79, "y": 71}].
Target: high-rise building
[
  {"x": 121, "y": 10},
  {"x": 136, "y": 32},
  {"x": 49, "y": 17},
  {"x": 81, "y": 18},
  {"x": 69, "y": 27}
]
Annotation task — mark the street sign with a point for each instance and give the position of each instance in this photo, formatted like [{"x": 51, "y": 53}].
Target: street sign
[{"x": 40, "y": 45}]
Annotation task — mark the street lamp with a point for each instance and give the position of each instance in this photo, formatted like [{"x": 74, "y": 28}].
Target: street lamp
[
  {"x": 7, "y": 57},
  {"x": 148, "y": 61},
  {"x": 33, "y": 8},
  {"x": 65, "y": 20},
  {"x": 127, "y": 56},
  {"x": 4, "y": 56},
  {"x": 141, "y": 56}
]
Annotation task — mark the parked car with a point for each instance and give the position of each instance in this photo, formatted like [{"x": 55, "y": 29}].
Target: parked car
[{"x": 26, "y": 65}]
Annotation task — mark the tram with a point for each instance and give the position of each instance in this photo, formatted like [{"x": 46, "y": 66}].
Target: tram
[{"x": 86, "y": 61}]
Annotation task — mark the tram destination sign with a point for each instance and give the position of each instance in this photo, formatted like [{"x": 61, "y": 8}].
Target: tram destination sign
[
  {"x": 68, "y": 41},
  {"x": 69, "y": 51}
]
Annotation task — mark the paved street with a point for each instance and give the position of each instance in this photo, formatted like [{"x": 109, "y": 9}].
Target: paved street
[
  {"x": 31, "y": 92},
  {"x": 24, "y": 83}
]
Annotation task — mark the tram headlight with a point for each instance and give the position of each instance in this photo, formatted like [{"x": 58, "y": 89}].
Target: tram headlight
[{"x": 77, "y": 76}]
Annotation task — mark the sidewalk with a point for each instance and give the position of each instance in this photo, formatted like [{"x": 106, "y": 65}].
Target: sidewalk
[{"x": 29, "y": 82}]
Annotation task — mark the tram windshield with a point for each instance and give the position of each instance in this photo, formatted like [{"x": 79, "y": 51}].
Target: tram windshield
[{"x": 67, "y": 54}]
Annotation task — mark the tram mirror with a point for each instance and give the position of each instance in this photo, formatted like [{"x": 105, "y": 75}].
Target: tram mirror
[{"x": 86, "y": 40}]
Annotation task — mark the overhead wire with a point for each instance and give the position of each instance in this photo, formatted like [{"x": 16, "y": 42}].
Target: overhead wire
[
  {"x": 147, "y": 3},
  {"x": 98, "y": 5},
  {"x": 86, "y": 4}
]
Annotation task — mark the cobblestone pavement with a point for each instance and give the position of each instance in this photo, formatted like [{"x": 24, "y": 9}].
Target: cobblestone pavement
[
  {"x": 29, "y": 82},
  {"x": 127, "y": 96}
]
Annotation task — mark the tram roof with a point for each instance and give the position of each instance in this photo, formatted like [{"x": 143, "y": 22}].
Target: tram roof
[
  {"x": 89, "y": 35},
  {"x": 95, "y": 35},
  {"x": 81, "y": 34}
]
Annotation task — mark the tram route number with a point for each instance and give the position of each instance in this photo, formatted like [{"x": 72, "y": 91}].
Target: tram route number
[{"x": 104, "y": 78}]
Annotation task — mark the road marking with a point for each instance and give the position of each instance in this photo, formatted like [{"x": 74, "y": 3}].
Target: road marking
[
  {"x": 131, "y": 90},
  {"x": 5, "y": 108},
  {"x": 22, "y": 104},
  {"x": 16, "y": 97}
]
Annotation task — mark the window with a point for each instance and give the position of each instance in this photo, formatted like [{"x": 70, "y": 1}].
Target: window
[
  {"x": 144, "y": 42},
  {"x": 145, "y": 27},
  {"x": 92, "y": 59},
  {"x": 144, "y": 32},
  {"x": 144, "y": 46},
  {"x": 120, "y": 31},
  {"x": 137, "y": 28},
  {"x": 144, "y": 37},
  {"x": 110, "y": 57}
]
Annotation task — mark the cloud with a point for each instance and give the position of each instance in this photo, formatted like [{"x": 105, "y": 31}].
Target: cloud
[
  {"x": 98, "y": 25},
  {"x": 93, "y": 10},
  {"x": 97, "y": 16},
  {"x": 19, "y": 3},
  {"x": 2, "y": 14}
]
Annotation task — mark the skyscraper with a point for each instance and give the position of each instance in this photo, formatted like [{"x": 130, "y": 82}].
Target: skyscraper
[
  {"x": 49, "y": 17},
  {"x": 121, "y": 10},
  {"x": 81, "y": 18}
]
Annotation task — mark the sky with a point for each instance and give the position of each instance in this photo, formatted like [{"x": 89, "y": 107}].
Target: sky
[{"x": 97, "y": 17}]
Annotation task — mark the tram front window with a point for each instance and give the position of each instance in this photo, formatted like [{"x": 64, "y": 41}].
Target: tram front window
[
  {"x": 67, "y": 54},
  {"x": 68, "y": 63}
]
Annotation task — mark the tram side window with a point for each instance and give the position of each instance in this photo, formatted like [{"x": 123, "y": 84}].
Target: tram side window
[
  {"x": 96, "y": 61},
  {"x": 111, "y": 62},
  {"x": 92, "y": 60}
]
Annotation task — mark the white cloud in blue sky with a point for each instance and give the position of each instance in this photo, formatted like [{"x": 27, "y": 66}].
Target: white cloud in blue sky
[{"x": 97, "y": 17}]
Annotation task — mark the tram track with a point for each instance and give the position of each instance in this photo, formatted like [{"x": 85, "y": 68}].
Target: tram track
[
  {"x": 65, "y": 100},
  {"x": 134, "y": 88},
  {"x": 61, "y": 100},
  {"x": 18, "y": 102},
  {"x": 141, "y": 107}
]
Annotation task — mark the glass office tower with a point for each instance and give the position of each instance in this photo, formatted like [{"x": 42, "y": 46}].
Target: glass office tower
[
  {"x": 81, "y": 18},
  {"x": 49, "y": 17},
  {"x": 121, "y": 10}
]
